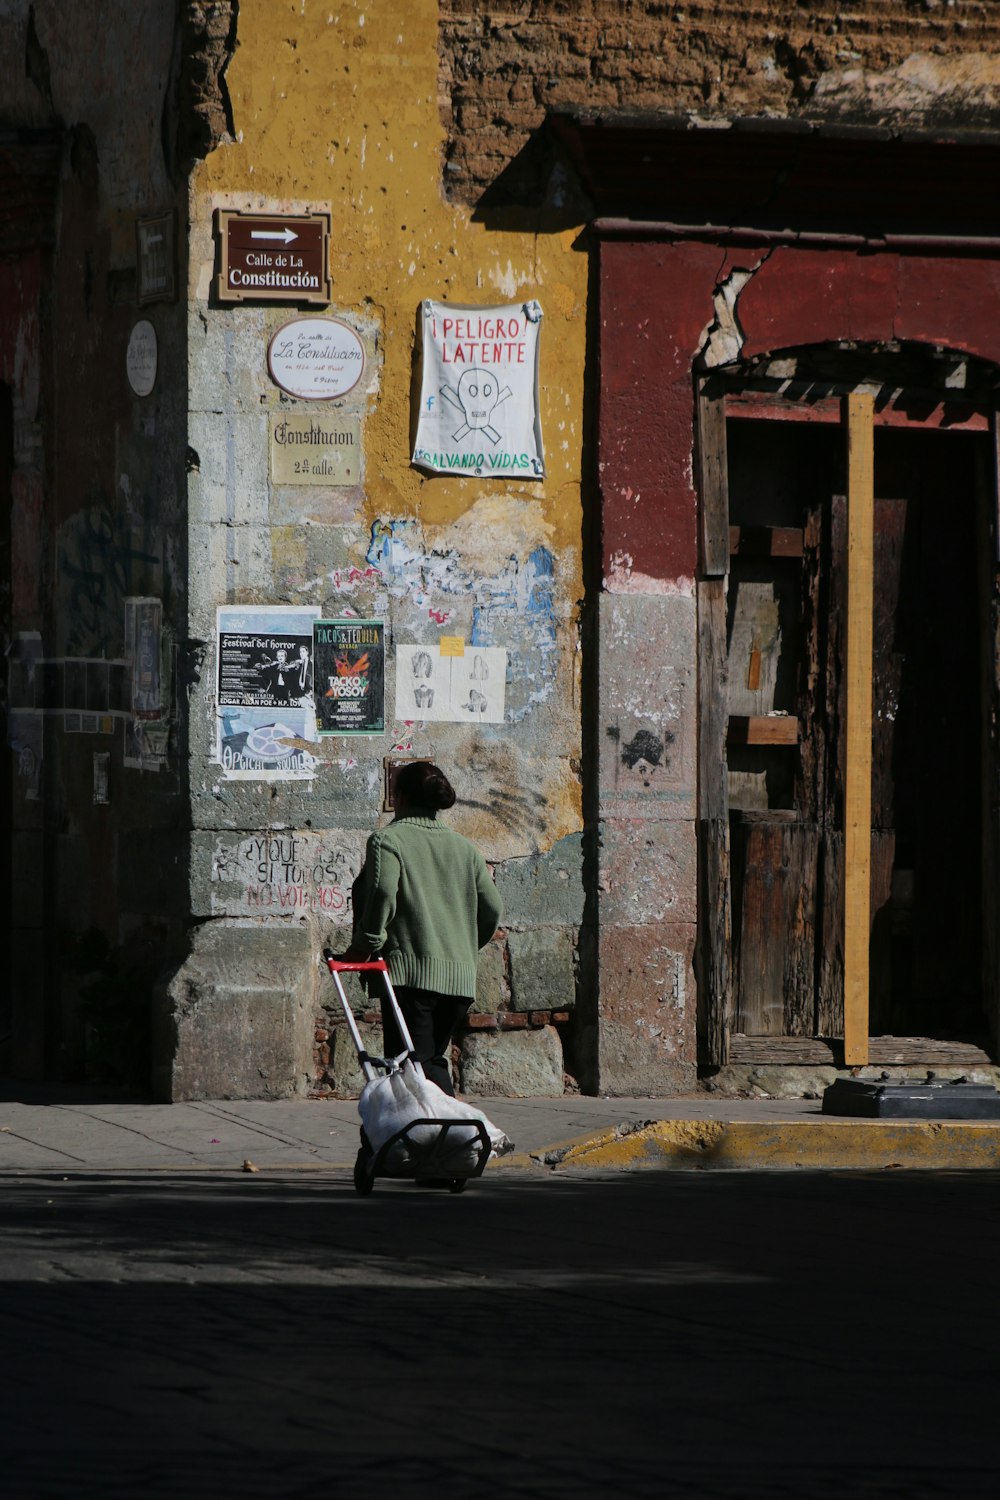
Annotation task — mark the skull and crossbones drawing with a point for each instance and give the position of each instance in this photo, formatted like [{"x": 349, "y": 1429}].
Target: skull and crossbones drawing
[{"x": 477, "y": 396}]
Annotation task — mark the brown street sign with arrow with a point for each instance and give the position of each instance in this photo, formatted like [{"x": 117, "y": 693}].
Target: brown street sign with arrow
[{"x": 273, "y": 258}]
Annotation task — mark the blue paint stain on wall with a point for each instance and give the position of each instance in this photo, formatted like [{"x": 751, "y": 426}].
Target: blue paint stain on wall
[
  {"x": 519, "y": 614},
  {"x": 379, "y": 554},
  {"x": 540, "y": 597},
  {"x": 527, "y": 591}
]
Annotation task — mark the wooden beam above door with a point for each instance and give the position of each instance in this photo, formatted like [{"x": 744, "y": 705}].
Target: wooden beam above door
[{"x": 927, "y": 410}]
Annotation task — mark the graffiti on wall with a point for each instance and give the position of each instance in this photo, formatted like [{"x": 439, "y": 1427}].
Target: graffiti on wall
[
  {"x": 279, "y": 873},
  {"x": 101, "y": 561}
]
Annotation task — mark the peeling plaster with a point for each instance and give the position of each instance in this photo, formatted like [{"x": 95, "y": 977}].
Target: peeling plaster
[
  {"x": 922, "y": 88},
  {"x": 625, "y": 578},
  {"x": 723, "y": 338},
  {"x": 513, "y": 605}
]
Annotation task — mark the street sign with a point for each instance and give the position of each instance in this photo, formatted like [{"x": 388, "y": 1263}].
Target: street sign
[{"x": 273, "y": 258}]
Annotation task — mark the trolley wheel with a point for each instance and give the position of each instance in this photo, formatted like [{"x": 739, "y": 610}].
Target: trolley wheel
[
  {"x": 364, "y": 1182},
  {"x": 458, "y": 1184}
]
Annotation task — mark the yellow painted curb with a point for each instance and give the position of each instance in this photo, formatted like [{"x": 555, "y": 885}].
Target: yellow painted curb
[{"x": 773, "y": 1145}]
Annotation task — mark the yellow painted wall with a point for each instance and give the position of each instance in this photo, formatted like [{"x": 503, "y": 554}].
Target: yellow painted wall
[{"x": 337, "y": 103}]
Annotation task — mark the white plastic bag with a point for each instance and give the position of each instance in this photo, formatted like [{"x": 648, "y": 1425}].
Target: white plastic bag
[
  {"x": 385, "y": 1107},
  {"x": 437, "y": 1105},
  {"x": 392, "y": 1101}
]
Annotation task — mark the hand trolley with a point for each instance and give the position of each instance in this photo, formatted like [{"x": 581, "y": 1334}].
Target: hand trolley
[{"x": 412, "y": 1152}]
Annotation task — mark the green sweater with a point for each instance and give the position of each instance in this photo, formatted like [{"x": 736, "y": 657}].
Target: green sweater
[{"x": 428, "y": 905}]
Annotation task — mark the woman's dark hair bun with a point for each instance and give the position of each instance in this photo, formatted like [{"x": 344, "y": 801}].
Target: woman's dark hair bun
[{"x": 425, "y": 785}]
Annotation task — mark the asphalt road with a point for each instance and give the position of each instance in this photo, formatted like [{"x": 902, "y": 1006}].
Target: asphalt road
[{"x": 655, "y": 1334}]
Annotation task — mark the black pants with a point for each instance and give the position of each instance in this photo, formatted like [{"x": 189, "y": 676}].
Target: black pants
[{"x": 431, "y": 1019}]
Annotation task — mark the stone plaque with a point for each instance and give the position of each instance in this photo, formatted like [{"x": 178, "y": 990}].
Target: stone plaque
[
  {"x": 316, "y": 450},
  {"x": 273, "y": 258}
]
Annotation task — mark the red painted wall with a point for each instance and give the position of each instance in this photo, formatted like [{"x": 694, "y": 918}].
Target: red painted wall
[
  {"x": 657, "y": 301},
  {"x": 812, "y": 296}
]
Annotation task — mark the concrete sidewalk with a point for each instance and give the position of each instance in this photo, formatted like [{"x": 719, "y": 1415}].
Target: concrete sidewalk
[{"x": 64, "y": 1130}]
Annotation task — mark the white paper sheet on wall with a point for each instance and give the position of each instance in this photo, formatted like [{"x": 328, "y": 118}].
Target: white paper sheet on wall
[{"x": 435, "y": 688}]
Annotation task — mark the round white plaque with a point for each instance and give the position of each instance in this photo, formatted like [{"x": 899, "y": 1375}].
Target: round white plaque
[
  {"x": 317, "y": 359},
  {"x": 140, "y": 358}
]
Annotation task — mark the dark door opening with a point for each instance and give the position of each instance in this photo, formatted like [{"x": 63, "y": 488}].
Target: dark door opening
[
  {"x": 926, "y": 955},
  {"x": 786, "y": 745},
  {"x": 6, "y": 768}
]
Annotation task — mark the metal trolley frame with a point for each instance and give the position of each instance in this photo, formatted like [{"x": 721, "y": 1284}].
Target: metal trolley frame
[{"x": 402, "y": 1155}]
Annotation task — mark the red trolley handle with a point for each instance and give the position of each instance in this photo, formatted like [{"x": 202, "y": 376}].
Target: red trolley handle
[{"x": 336, "y": 967}]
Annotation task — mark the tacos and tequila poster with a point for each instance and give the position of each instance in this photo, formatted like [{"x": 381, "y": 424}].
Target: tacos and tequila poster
[{"x": 349, "y": 666}]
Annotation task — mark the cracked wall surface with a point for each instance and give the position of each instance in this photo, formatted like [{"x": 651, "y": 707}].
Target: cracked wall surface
[{"x": 723, "y": 338}]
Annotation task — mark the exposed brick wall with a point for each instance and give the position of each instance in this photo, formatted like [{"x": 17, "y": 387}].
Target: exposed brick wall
[{"x": 503, "y": 66}]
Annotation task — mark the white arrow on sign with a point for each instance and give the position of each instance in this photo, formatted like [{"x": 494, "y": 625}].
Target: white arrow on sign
[{"x": 286, "y": 234}]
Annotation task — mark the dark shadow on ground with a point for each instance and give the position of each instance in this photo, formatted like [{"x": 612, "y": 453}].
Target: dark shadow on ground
[
  {"x": 24, "y": 1091},
  {"x": 653, "y": 1334}
]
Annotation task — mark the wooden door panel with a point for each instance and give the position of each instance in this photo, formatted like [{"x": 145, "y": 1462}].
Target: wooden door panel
[
  {"x": 776, "y": 954},
  {"x": 830, "y": 964},
  {"x": 883, "y": 952}
]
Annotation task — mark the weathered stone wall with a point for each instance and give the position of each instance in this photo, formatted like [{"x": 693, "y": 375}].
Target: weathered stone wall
[
  {"x": 408, "y": 123},
  {"x": 906, "y": 62},
  {"x": 338, "y": 109}
]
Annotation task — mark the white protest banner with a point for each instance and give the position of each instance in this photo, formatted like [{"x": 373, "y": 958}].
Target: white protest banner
[{"x": 479, "y": 392}]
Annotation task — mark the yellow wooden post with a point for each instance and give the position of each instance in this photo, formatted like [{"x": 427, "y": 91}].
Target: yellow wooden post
[{"x": 858, "y": 770}]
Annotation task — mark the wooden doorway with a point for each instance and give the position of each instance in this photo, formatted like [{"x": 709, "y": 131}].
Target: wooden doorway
[{"x": 785, "y": 750}]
